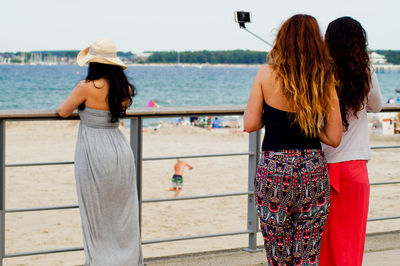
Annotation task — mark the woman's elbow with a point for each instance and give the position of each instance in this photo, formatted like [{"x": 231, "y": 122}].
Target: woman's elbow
[
  {"x": 249, "y": 129},
  {"x": 374, "y": 108},
  {"x": 246, "y": 125},
  {"x": 62, "y": 112},
  {"x": 335, "y": 141},
  {"x": 251, "y": 126},
  {"x": 332, "y": 139}
]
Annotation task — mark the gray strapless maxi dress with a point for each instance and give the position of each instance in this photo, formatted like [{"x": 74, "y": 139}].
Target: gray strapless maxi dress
[{"x": 107, "y": 195}]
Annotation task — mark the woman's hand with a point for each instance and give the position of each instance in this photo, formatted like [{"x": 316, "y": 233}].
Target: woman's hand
[
  {"x": 252, "y": 119},
  {"x": 77, "y": 96}
]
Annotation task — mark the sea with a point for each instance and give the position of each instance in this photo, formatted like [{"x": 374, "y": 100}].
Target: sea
[{"x": 46, "y": 86}]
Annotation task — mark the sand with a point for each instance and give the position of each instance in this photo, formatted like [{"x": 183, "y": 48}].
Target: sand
[{"x": 55, "y": 185}]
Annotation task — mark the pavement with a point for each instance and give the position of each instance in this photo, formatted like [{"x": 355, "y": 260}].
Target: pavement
[{"x": 381, "y": 249}]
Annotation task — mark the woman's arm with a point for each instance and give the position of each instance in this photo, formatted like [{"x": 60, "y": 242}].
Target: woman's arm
[
  {"x": 331, "y": 132},
  {"x": 77, "y": 96},
  {"x": 252, "y": 118},
  {"x": 374, "y": 103}
]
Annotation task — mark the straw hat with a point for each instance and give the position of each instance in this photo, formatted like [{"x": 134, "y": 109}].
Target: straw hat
[{"x": 103, "y": 50}]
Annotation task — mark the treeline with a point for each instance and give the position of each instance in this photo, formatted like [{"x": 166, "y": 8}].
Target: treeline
[
  {"x": 172, "y": 57},
  {"x": 233, "y": 57},
  {"x": 392, "y": 56},
  {"x": 211, "y": 57}
]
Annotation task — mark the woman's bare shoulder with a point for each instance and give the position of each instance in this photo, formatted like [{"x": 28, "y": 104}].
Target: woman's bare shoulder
[
  {"x": 84, "y": 84},
  {"x": 266, "y": 72},
  {"x": 267, "y": 69},
  {"x": 92, "y": 86}
]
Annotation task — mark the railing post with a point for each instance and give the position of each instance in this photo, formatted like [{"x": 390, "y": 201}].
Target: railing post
[
  {"x": 252, "y": 219},
  {"x": 2, "y": 188},
  {"x": 136, "y": 145}
]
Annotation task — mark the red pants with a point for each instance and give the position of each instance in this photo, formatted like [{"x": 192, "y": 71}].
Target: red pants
[{"x": 344, "y": 237}]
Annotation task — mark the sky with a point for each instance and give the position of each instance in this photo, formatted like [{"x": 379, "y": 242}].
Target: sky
[{"x": 181, "y": 25}]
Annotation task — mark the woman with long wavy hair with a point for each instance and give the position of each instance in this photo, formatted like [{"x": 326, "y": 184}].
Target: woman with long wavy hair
[
  {"x": 358, "y": 90},
  {"x": 294, "y": 97},
  {"x": 104, "y": 163}
]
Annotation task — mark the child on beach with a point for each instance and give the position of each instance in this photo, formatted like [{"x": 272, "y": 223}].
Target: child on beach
[{"x": 177, "y": 178}]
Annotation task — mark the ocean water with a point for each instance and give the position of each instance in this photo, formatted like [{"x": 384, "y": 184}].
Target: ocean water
[{"x": 45, "y": 87}]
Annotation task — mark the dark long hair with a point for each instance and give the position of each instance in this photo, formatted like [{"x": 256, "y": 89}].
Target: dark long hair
[
  {"x": 120, "y": 89},
  {"x": 347, "y": 42}
]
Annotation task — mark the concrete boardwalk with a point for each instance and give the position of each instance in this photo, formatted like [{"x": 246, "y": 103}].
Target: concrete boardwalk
[{"x": 381, "y": 249}]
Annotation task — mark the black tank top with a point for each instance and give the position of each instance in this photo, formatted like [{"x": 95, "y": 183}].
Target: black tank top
[{"x": 282, "y": 134}]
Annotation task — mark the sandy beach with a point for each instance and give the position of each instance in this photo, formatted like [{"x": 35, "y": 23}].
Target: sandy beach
[{"x": 55, "y": 185}]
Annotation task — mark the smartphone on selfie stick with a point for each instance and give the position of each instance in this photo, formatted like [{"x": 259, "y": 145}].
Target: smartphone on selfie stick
[{"x": 243, "y": 17}]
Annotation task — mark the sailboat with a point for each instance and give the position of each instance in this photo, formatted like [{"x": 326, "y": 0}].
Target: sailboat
[
  {"x": 178, "y": 60},
  {"x": 22, "y": 58}
]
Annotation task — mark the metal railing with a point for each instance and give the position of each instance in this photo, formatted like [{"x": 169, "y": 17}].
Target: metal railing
[{"x": 136, "y": 122}]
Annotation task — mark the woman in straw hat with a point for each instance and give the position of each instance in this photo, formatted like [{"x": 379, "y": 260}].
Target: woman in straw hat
[
  {"x": 294, "y": 97},
  {"x": 104, "y": 162}
]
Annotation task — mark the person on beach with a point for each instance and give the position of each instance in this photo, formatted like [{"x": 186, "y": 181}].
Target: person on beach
[
  {"x": 294, "y": 97},
  {"x": 216, "y": 123},
  {"x": 194, "y": 120},
  {"x": 177, "y": 178},
  {"x": 152, "y": 103},
  {"x": 359, "y": 92},
  {"x": 104, "y": 163},
  {"x": 180, "y": 121},
  {"x": 209, "y": 122}
]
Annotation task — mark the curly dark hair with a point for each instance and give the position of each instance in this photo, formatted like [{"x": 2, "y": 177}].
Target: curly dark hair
[
  {"x": 120, "y": 89},
  {"x": 347, "y": 43}
]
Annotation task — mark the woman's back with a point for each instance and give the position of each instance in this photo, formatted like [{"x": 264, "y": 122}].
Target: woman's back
[
  {"x": 357, "y": 86},
  {"x": 106, "y": 188},
  {"x": 281, "y": 131},
  {"x": 104, "y": 162},
  {"x": 358, "y": 89},
  {"x": 291, "y": 97},
  {"x": 355, "y": 139},
  {"x": 106, "y": 184},
  {"x": 97, "y": 92},
  {"x": 299, "y": 79},
  {"x": 271, "y": 89}
]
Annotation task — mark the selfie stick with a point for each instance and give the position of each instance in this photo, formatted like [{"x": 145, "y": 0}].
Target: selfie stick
[
  {"x": 255, "y": 35},
  {"x": 242, "y": 25}
]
